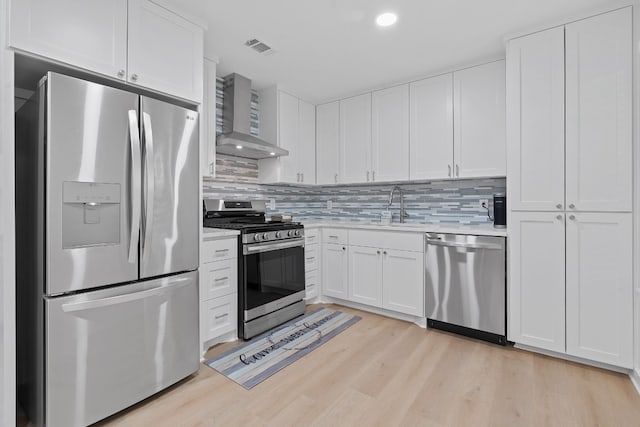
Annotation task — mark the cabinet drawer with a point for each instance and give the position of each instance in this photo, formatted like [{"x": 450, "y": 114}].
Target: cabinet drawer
[
  {"x": 218, "y": 316},
  {"x": 413, "y": 242},
  {"x": 335, "y": 235},
  {"x": 217, "y": 250},
  {"x": 219, "y": 278},
  {"x": 312, "y": 284},
  {"x": 311, "y": 253},
  {"x": 311, "y": 236}
]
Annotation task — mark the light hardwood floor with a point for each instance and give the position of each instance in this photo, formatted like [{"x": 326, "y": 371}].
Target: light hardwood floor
[{"x": 385, "y": 372}]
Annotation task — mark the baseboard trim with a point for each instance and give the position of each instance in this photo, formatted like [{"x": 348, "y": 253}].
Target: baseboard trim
[
  {"x": 573, "y": 359},
  {"x": 420, "y": 321},
  {"x": 635, "y": 379}
]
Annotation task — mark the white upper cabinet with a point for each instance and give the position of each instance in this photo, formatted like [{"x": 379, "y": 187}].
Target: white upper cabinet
[
  {"x": 327, "y": 135},
  {"x": 136, "y": 41},
  {"x": 86, "y": 34},
  {"x": 479, "y": 121},
  {"x": 535, "y": 121},
  {"x": 599, "y": 287},
  {"x": 307, "y": 142},
  {"x": 355, "y": 139},
  {"x": 599, "y": 113},
  {"x": 288, "y": 136},
  {"x": 431, "y": 129},
  {"x": 390, "y": 134},
  {"x": 208, "y": 120},
  {"x": 165, "y": 51},
  {"x": 537, "y": 279},
  {"x": 289, "y": 123}
]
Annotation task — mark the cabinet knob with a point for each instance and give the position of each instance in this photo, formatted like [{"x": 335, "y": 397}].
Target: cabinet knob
[
  {"x": 384, "y": 252},
  {"x": 559, "y": 217},
  {"x": 121, "y": 73},
  {"x": 571, "y": 206},
  {"x": 344, "y": 249},
  {"x": 559, "y": 206},
  {"x": 572, "y": 217},
  {"x": 134, "y": 77},
  {"x": 378, "y": 252}
]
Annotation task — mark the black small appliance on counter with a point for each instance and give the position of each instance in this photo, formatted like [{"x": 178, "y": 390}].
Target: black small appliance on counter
[{"x": 500, "y": 210}]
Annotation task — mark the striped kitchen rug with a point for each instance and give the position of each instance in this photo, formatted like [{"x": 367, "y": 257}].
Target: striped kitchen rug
[{"x": 266, "y": 354}]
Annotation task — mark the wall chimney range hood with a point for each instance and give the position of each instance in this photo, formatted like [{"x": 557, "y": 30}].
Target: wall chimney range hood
[{"x": 236, "y": 139}]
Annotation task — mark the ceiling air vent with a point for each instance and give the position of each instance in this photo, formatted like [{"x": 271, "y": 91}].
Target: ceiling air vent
[{"x": 259, "y": 46}]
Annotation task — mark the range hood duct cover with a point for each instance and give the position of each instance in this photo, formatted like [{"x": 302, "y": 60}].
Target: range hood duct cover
[{"x": 236, "y": 122}]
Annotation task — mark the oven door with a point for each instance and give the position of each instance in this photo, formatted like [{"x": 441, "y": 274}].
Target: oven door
[{"x": 273, "y": 276}]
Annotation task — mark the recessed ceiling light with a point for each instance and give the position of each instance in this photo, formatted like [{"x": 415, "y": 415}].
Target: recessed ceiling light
[
  {"x": 272, "y": 154},
  {"x": 239, "y": 147},
  {"x": 386, "y": 19}
]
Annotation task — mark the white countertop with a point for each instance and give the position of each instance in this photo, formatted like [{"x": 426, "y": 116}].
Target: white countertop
[
  {"x": 218, "y": 232},
  {"x": 479, "y": 230}
]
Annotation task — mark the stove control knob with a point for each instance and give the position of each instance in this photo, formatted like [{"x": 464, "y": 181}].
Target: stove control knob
[
  {"x": 297, "y": 232},
  {"x": 278, "y": 234},
  {"x": 256, "y": 237},
  {"x": 265, "y": 236},
  {"x": 290, "y": 233}
]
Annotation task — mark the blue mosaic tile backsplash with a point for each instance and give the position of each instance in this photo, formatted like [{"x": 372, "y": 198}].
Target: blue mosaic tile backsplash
[{"x": 455, "y": 201}]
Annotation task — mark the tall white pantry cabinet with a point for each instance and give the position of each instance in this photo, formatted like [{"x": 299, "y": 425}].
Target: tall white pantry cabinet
[{"x": 569, "y": 175}]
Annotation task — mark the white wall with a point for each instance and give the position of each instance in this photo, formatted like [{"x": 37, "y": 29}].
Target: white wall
[{"x": 7, "y": 226}]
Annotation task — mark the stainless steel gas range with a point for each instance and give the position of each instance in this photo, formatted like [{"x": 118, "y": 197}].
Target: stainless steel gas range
[{"x": 271, "y": 279}]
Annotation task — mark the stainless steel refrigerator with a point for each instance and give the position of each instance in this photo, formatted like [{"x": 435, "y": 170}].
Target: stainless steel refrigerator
[{"x": 107, "y": 218}]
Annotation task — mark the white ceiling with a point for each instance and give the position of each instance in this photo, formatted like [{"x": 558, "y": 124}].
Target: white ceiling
[{"x": 326, "y": 49}]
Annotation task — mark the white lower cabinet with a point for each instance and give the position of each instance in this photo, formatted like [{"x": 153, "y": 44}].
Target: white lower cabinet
[
  {"x": 537, "y": 279},
  {"x": 312, "y": 263},
  {"x": 403, "y": 281},
  {"x": 365, "y": 275},
  {"x": 599, "y": 287},
  {"x": 334, "y": 270},
  {"x": 218, "y": 290},
  {"x": 570, "y": 285},
  {"x": 385, "y": 275}
]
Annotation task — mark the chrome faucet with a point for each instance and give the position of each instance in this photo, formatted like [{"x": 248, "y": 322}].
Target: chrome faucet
[{"x": 403, "y": 211}]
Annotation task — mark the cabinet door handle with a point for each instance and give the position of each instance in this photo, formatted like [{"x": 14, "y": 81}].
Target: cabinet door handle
[
  {"x": 302, "y": 177},
  {"x": 298, "y": 177},
  {"x": 220, "y": 279},
  {"x": 449, "y": 172},
  {"x": 373, "y": 176},
  {"x": 336, "y": 178},
  {"x": 220, "y": 316},
  {"x": 121, "y": 73},
  {"x": 559, "y": 206},
  {"x": 134, "y": 77},
  {"x": 457, "y": 170},
  {"x": 367, "y": 176}
]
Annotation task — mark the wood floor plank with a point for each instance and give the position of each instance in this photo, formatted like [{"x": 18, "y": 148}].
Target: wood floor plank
[{"x": 385, "y": 372}]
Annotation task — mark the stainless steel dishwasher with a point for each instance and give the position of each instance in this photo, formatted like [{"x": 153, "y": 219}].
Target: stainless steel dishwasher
[{"x": 466, "y": 285}]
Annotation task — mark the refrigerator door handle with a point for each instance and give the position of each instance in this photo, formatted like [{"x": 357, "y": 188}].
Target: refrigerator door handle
[
  {"x": 136, "y": 176},
  {"x": 149, "y": 182},
  {"x": 121, "y": 299}
]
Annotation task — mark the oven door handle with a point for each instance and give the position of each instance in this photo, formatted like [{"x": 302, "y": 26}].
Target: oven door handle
[{"x": 267, "y": 247}]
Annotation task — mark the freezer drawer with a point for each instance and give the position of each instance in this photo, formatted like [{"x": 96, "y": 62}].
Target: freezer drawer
[
  {"x": 109, "y": 349},
  {"x": 466, "y": 281}
]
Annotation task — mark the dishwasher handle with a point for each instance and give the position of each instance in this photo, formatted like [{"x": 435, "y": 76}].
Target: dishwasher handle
[{"x": 489, "y": 246}]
